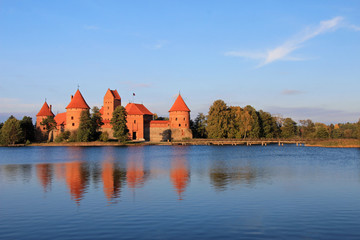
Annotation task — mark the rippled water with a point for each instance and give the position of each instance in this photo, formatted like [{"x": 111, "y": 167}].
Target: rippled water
[{"x": 183, "y": 192}]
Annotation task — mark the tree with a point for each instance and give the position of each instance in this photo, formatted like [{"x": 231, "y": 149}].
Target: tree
[
  {"x": 289, "y": 128},
  {"x": 218, "y": 120},
  {"x": 49, "y": 123},
  {"x": 96, "y": 121},
  {"x": 199, "y": 126},
  {"x": 118, "y": 122},
  {"x": 269, "y": 128},
  {"x": 358, "y": 129},
  {"x": 321, "y": 131},
  {"x": 307, "y": 128},
  {"x": 11, "y": 131},
  {"x": 255, "y": 122},
  {"x": 28, "y": 129},
  {"x": 86, "y": 129}
]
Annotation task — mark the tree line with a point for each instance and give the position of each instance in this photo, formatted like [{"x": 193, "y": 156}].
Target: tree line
[
  {"x": 224, "y": 121},
  {"x": 14, "y": 131}
]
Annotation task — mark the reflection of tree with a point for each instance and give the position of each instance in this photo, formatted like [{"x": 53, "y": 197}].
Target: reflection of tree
[
  {"x": 45, "y": 174},
  {"x": 222, "y": 175},
  {"x": 77, "y": 176},
  {"x": 113, "y": 179},
  {"x": 179, "y": 175}
]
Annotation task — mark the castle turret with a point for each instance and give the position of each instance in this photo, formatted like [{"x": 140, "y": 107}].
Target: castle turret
[
  {"x": 44, "y": 112},
  {"x": 179, "y": 115},
  {"x": 74, "y": 109},
  {"x": 112, "y": 99}
]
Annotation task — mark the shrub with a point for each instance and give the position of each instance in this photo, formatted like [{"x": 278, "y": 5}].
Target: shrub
[{"x": 104, "y": 137}]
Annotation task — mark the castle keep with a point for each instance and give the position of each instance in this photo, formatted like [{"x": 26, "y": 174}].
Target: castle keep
[{"x": 140, "y": 120}]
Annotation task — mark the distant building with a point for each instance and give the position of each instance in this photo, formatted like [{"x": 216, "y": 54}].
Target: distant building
[{"x": 139, "y": 119}]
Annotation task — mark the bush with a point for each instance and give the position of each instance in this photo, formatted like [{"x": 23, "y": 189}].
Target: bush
[
  {"x": 104, "y": 137},
  {"x": 73, "y": 137},
  {"x": 62, "y": 136}
]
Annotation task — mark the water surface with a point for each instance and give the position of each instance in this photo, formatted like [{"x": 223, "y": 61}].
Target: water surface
[{"x": 179, "y": 192}]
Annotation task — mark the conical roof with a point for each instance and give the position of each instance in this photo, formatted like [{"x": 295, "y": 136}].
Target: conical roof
[
  {"x": 179, "y": 105},
  {"x": 78, "y": 101},
  {"x": 45, "y": 111}
]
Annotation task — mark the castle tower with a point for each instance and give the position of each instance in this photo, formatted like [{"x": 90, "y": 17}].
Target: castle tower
[
  {"x": 44, "y": 112},
  {"x": 179, "y": 114},
  {"x": 112, "y": 99},
  {"x": 74, "y": 109}
]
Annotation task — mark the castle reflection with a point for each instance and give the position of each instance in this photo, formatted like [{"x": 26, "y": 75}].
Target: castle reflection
[{"x": 132, "y": 169}]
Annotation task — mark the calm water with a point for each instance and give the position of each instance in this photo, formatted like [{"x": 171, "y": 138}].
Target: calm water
[{"x": 192, "y": 192}]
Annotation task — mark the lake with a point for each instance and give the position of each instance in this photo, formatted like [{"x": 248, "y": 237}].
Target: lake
[{"x": 180, "y": 192}]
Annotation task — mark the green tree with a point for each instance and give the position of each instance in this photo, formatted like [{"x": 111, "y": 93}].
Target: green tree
[
  {"x": 118, "y": 122},
  {"x": 49, "y": 123},
  {"x": 358, "y": 129},
  {"x": 86, "y": 129},
  {"x": 96, "y": 121},
  {"x": 218, "y": 120},
  {"x": 269, "y": 128},
  {"x": 28, "y": 129},
  {"x": 11, "y": 132},
  {"x": 199, "y": 126},
  {"x": 289, "y": 128},
  {"x": 321, "y": 131}
]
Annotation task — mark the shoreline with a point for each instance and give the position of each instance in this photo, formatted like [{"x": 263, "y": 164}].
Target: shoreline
[{"x": 340, "y": 143}]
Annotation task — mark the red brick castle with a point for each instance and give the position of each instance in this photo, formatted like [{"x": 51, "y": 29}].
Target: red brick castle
[{"x": 139, "y": 119}]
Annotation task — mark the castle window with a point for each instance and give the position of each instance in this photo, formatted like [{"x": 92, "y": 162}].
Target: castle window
[
  {"x": 108, "y": 108},
  {"x": 184, "y": 119},
  {"x": 134, "y": 121},
  {"x": 72, "y": 118},
  {"x": 43, "y": 128},
  {"x": 175, "y": 119},
  {"x": 73, "y": 124},
  {"x": 185, "y": 125},
  {"x": 179, "y": 125},
  {"x": 108, "y": 113}
]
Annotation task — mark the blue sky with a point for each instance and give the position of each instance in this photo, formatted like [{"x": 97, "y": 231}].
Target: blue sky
[{"x": 298, "y": 59}]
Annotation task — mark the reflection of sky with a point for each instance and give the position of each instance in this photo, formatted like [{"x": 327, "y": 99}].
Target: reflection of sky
[
  {"x": 162, "y": 168},
  {"x": 224, "y": 190}
]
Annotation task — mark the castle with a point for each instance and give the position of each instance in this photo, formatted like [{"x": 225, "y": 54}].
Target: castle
[{"x": 140, "y": 120}]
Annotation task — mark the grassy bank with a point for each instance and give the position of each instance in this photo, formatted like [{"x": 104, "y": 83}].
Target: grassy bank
[{"x": 336, "y": 143}]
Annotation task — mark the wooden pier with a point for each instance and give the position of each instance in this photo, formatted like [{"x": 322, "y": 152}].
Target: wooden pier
[{"x": 236, "y": 142}]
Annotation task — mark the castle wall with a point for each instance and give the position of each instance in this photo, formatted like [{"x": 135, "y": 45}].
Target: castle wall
[
  {"x": 135, "y": 124},
  {"x": 160, "y": 131},
  {"x": 180, "y": 134},
  {"x": 179, "y": 119}
]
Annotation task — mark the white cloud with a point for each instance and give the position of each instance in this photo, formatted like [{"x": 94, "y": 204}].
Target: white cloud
[
  {"x": 354, "y": 27},
  {"x": 282, "y": 52}
]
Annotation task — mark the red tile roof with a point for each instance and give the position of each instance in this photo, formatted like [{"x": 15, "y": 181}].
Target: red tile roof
[
  {"x": 78, "y": 101},
  {"x": 60, "y": 118},
  {"x": 179, "y": 105},
  {"x": 101, "y": 110},
  {"x": 45, "y": 111},
  {"x": 137, "y": 109},
  {"x": 115, "y": 94}
]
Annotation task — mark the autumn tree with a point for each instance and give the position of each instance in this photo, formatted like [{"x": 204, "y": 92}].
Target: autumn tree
[
  {"x": 118, "y": 122},
  {"x": 289, "y": 128},
  {"x": 307, "y": 128},
  {"x": 358, "y": 128},
  {"x": 218, "y": 120},
  {"x": 11, "y": 132}
]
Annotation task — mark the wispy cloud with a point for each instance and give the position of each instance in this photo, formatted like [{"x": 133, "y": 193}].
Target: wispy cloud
[
  {"x": 354, "y": 27},
  {"x": 91, "y": 27},
  {"x": 134, "y": 85},
  {"x": 291, "y": 92},
  {"x": 283, "y": 51},
  {"x": 158, "y": 45}
]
